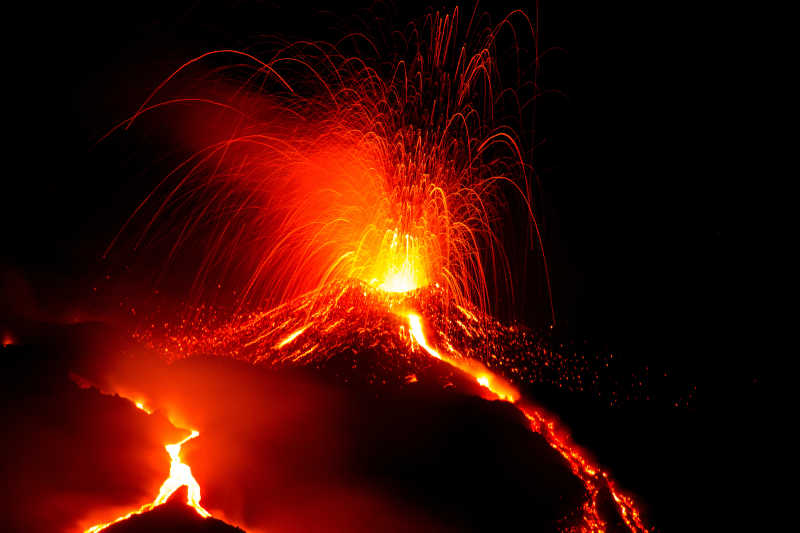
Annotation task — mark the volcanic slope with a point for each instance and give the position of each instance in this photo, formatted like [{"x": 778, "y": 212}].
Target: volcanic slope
[{"x": 365, "y": 336}]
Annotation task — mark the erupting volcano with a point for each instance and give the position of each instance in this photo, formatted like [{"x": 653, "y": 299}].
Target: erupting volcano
[
  {"x": 345, "y": 210},
  {"x": 366, "y": 196}
]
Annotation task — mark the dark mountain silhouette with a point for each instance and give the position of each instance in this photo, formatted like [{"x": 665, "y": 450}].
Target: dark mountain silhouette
[{"x": 173, "y": 516}]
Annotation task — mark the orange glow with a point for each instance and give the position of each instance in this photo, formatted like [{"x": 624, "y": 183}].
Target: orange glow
[
  {"x": 400, "y": 265},
  {"x": 8, "y": 339},
  {"x": 179, "y": 475}
]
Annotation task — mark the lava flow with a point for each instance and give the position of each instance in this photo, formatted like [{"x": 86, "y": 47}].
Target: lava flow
[
  {"x": 591, "y": 475},
  {"x": 179, "y": 475}
]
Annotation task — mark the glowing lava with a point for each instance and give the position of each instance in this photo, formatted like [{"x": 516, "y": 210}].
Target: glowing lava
[
  {"x": 501, "y": 389},
  {"x": 292, "y": 336},
  {"x": 400, "y": 264},
  {"x": 592, "y": 476},
  {"x": 179, "y": 475}
]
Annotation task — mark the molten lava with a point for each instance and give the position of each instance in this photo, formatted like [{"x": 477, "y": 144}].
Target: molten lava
[
  {"x": 179, "y": 475},
  {"x": 401, "y": 265},
  {"x": 591, "y": 475}
]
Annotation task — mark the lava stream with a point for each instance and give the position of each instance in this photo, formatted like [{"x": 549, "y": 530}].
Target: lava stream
[
  {"x": 179, "y": 475},
  {"x": 591, "y": 476}
]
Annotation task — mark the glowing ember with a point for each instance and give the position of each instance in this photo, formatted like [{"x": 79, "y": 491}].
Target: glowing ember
[
  {"x": 292, "y": 336},
  {"x": 180, "y": 475}
]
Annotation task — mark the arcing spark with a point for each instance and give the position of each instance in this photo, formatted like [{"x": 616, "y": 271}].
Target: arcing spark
[{"x": 389, "y": 167}]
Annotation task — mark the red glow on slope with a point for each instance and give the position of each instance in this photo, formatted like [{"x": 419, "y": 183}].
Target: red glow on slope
[
  {"x": 8, "y": 339},
  {"x": 179, "y": 475}
]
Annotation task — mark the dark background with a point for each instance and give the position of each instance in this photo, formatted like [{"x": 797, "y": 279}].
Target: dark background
[{"x": 632, "y": 219}]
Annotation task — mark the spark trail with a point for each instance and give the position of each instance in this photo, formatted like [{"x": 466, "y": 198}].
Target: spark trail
[{"x": 180, "y": 475}]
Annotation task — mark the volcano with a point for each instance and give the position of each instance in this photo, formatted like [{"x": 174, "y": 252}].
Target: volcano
[{"x": 379, "y": 411}]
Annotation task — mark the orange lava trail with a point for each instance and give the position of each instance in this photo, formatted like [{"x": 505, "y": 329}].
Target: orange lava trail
[
  {"x": 179, "y": 475},
  {"x": 591, "y": 475}
]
